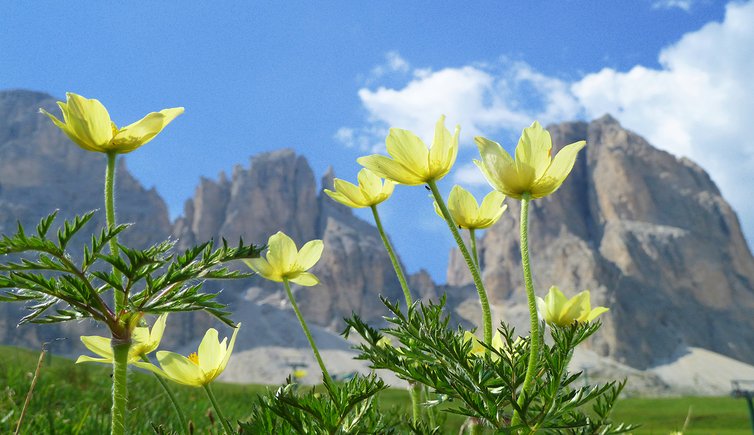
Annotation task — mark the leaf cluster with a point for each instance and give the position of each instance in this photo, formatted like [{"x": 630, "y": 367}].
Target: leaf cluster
[
  {"x": 486, "y": 387},
  {"x": 342, "y": 408},
  {"x": 154, "y": 280}
]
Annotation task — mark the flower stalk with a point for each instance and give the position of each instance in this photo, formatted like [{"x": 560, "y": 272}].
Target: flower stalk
[
  {"x": 393, "y": 257},
  {"x": 486, "y": 314},
  {"x": 306, "y": 331},
  {"x": 120, "y": 298},
  {"x": 474, "y": 252},
  {"x": 225, "y": 424},
  {"x": 532, "y": 304},
  {"x": 120, "y": 385}
]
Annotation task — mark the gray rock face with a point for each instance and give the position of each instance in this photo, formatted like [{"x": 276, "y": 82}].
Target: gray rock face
[
  {"x": 279, "y": 193},
  {"x": 648, "y": 234}
]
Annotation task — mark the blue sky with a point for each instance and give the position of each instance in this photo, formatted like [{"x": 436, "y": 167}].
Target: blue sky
[{"x": 328, "y": 78}]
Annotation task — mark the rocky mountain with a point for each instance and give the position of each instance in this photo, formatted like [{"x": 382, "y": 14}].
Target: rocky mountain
[
  {"x": 652, "y": 238},
  {"x": 647, "y": 233}
]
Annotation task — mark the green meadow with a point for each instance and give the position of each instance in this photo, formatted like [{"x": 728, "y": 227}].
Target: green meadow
[{"x": 75, "y": 399}]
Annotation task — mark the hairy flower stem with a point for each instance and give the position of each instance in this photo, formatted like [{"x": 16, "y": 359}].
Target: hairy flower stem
[
  {"x": 171, "y": 396},
  {"x": 474, "y": 252},
  {"x": 306, "y": 331},
  {"x": 225, "y": 424},
  {"x": 393, "y": 257},
  {"x": 532, "y": 302},
  {"x": 415, "y": 390},
  {"x": 120, "y": 385},
  {"x": 486, "y": 315},
  {"x": 120, "y": 298}
]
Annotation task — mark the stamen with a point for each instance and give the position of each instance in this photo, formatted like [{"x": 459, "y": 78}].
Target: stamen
[{"x": 194, "y": 358}]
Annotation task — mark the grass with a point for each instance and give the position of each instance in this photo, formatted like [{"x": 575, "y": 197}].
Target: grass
[{"x": 74, "y": 399}]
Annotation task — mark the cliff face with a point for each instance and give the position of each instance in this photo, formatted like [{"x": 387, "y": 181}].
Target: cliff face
[
  {"x": 648, "y": 234},
  {"x": 279, "y": 193}
]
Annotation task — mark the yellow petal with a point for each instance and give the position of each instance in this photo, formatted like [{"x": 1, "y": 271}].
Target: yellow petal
[
  {"x": 463, "y": 207},
  {"x": 492, "y": 208},
  {"x": 596, "y": 312},
  {"x": 229, "y": 350},
  {"x": 84, "y": 358},
  {"x": 309, "y": 254},
  {"x": 89, "y": 119},
  {"x": 408, "y": 150},
  {"x": 350, "y": 191},
  {"x": 305, "y": 279},
  {"x": 140, "y": 334},
  {"x": 210, "y": 352},
  {"x": 390, "y": 169},
  {"x": 558, "y": 171},
  {"x": 533, "y": 153},
  {"x": 263, "y": 268},
  {"x": 572, "y": 309},
  {"x": 370, "y": 183},
  {"x": 149, "y": 366},
  {"x": 444, "y": 150},
  {"x": 68, "y": 132},
  {"x": 99, "y": 345},
  {"x": 282, "y": 253},
  {"x": 498, "y": 168},
  {"x": 158, "y": 329},
  {"x": 180, "y": 369},
  {"x": 341, "y": 198},
  {"x": 144, "y": 130}
]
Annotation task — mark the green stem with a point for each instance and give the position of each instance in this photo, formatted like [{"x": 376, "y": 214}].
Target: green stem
[
  {"x": 306, "y": 331},
  {"x": 431, "y": 413},
  {"x": 393, "y": 257},
  {"x": 474, "y": 252},
  {"x": 171, "y": 396},
  {"x": 120, "y": 385},
  {"x": 120, "y": 298},
  {"x": 532, "y": 302},
  {"x": 486, "y": 315},
  {"x": 226, "y": 425},
  {"x": 415, "y": 390}
]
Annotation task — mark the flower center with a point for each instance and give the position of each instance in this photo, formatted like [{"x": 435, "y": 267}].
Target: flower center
[{"x": 194, "y": 358}]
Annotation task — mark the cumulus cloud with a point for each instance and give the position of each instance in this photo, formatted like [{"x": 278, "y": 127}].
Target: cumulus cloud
[
  {"x": 684, "y": 5},
  {"x": 482, "y": 99},
  {"x": 698, "y": 104}
]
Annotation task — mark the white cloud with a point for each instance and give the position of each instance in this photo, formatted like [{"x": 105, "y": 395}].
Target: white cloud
[
  {"x": 469, "y": 175},
  {"x": 670, "y": 4},
  {"x": 699, "y": 104},
  {"x": 481, "y": 99},
  {"x": 394, "y": 64}
]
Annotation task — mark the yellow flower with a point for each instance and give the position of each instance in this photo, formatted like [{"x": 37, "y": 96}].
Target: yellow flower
[
  {"x": 285, "y": 262},
  {"x": 87, "y": 123},
  {"x": 370, "y": 191},
  {"x": 559, "y": 310},
  {"x": 478, "y": 349},
  {"x": 202, "y": 367},
  {"x": 412, "y": 163},
  {"x": 466, "y": 213},
  {"x": 533, "y": 171},
  {"x": 300, "y": 373},
  {"x": 143, "y": 342}
]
